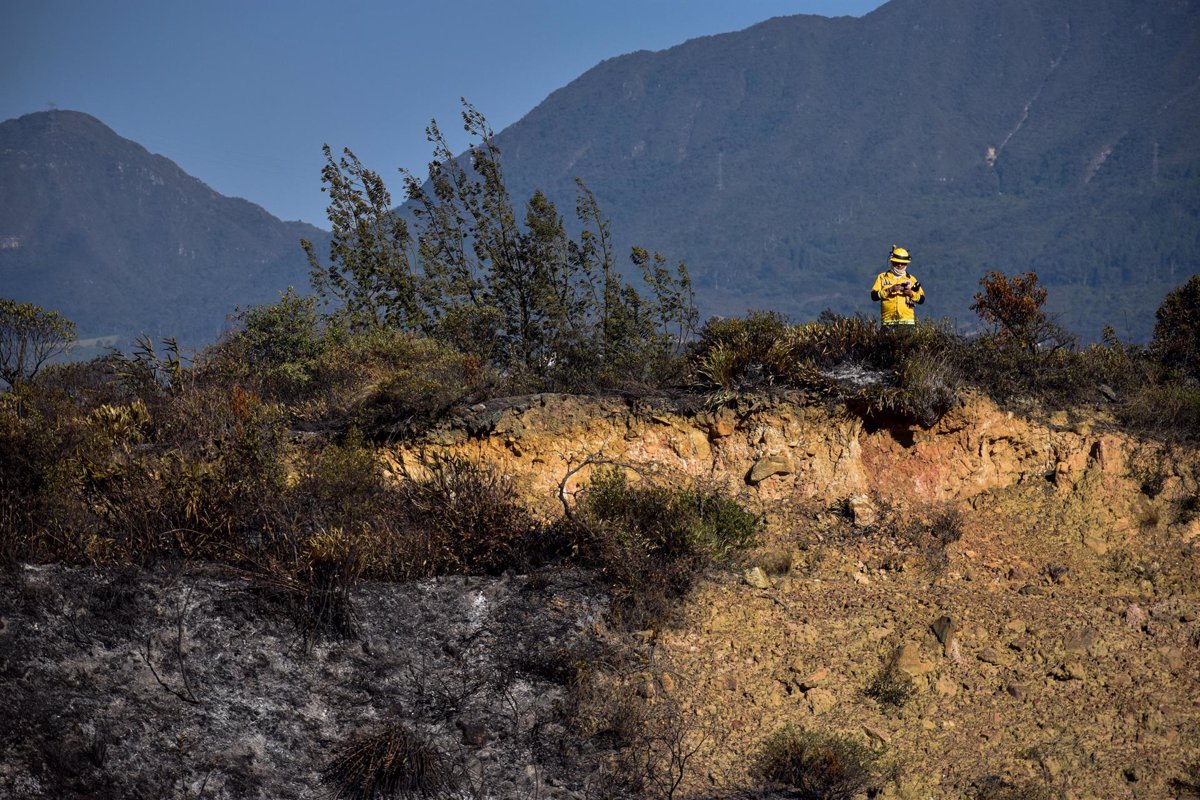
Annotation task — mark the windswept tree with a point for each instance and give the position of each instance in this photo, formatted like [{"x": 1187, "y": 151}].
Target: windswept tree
[
  {"x": 368, "y": 280},
  {"x": 512, "y": 288},
  {"x": 29, "y": 337},
  {"x": 529, "y": 293}
]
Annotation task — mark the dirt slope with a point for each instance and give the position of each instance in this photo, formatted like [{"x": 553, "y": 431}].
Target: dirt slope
[{"x": 1071, "y": 593}]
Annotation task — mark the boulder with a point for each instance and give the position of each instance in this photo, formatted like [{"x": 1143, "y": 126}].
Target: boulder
[
  {"x": 766, "y": 467},
  {"x": 863, "y": 512}
]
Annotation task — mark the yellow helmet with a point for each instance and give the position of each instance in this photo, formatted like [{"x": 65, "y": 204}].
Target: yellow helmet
[{"x": 899, "y": 255}]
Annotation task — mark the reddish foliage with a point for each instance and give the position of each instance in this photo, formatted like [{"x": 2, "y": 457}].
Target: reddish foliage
[{"x": 1013, "y": 305}]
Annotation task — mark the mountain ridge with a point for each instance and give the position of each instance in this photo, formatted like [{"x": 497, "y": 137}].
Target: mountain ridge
[{"x": 124, "y": 241}]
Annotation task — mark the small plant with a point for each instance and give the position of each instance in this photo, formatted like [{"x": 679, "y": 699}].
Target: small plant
[
  {"x": 890, "y": 686},
  {"x": 396, "y": 762},
  {"x": 473, "y": 513},
  {"x": 813, "y": 765}
]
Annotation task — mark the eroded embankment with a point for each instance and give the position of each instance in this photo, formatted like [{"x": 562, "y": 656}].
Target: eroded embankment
[
  {"x": 778, "y": 452},
  {"x": 1065, "y": 663}
]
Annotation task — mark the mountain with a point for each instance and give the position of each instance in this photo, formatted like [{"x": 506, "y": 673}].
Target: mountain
[
  {"x": 125, "y": 242},
  {"x": 782, "y": 161}
]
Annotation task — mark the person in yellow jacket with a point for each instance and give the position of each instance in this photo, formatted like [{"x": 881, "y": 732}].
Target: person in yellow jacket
[{"x": 897, "y": 292}]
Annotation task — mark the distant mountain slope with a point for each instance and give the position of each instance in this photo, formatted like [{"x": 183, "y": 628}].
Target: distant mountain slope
[
  {"x": 123, "y": 241},
  {"x": 782, "y": 161}
]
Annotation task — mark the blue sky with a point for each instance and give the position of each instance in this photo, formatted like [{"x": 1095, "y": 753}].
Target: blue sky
[{"x": 243, "y": 94}]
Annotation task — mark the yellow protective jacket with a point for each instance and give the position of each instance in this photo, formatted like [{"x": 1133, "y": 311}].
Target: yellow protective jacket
[{"x": 897, "y": 309}]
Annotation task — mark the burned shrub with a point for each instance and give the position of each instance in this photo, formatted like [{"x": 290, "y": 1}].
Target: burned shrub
[
  {"x": 474, "y": 518},
  {"x": 313, "y": 590},
  {"x": 395, "y": 762}
]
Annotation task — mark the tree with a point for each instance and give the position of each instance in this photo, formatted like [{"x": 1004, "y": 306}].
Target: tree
[
  {"x": 549, "y": 300},
  {"x": 515, "y": 290},
  {"x": 368, "y": 280},
  {"x": 1013, "y": 305},
  {"x": 1176, "y": 342},
  {"x": 29, "y": 337}
]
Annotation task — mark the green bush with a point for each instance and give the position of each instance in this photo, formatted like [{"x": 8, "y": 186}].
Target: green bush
[
  {"x": 650, "y": 543},
  {"x": 276, "y": 346},
  {"x": 812, "y": 765},
  {"x": 35, "y": 444}
]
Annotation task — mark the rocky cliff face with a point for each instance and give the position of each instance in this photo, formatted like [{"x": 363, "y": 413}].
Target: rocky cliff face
[{"x": 779, "y": 452}]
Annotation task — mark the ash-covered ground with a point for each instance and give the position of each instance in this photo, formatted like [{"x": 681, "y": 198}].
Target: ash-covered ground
[{"x": 192, "y": 683}]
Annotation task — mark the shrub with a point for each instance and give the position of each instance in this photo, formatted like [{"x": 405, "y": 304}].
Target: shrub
[
  {"x": 203, "y": 476},
  {"x": 1170, "y": 411},
  {"x": 396, "y": 762},
  {"x": 276, "y": 346},
  {"x": 473, "y": 519},
  {"x": 649, "y": 543},
  {"x": 340, "y": 484},
  {"x": 34, "y": 442},
  {"x": 1013, "y": 306},
  {"x": 891, "y": 687},
  {"x": 883, "y": 377},
  {"x": 409, "y": 380},
  {"x": 1176, "y": 341},
  {"x": 313, "y": 590},
  {"x": 736, "y": 350},
  {"x": 812, "y": 765}
]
